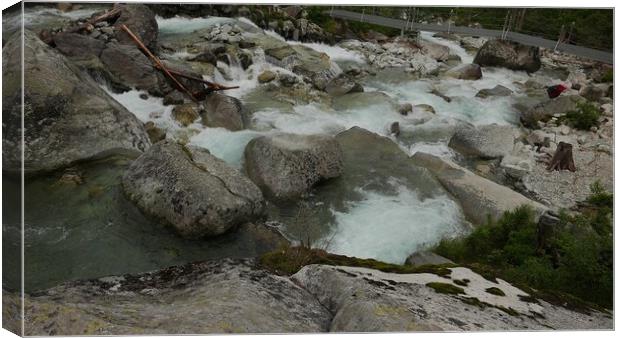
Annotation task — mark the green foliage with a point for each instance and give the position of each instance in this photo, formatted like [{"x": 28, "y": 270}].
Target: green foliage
[
  {"x": 577, "y": 23},
  {"x": 495, "y": 291},
  {"x": 608, "y": 76},
  {"x": 288, "y": 260},
  {"x": 585, "y": 117},
  {"x": 461, "y": 282},
  {"x": 574, "y": 259},
  {"x": 446, "y": 288}
]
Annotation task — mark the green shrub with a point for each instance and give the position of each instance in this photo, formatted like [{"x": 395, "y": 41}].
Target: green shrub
[
  {"x": 585, "y": 117},
  {"x": 446, "y": 288},
  {"x": 288, "y": 260},
  {"x": 575, "y": 259},
  {"x": 608, "y": 76},
  {"x": 495, "y": 291}
]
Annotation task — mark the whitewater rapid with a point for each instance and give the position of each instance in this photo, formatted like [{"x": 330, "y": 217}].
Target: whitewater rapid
[{"x": 384, "y": 226}]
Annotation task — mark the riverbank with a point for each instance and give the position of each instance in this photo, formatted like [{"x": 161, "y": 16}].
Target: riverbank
[{"x": 374, "y": 147}]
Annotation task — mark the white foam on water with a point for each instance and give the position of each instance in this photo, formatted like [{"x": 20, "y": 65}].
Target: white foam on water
[
  {"x": 274, "y": 34},
  {"x": 246, "y": 80},
  {"x": 150, "y": 109},
  {"x": 225, "y": 144},
  {"x": 389, "y": 228},
  {"x": 455, "y": 49},
  {"x": 247, "y": 21},
  {"x": 182, "y": 25},
  {"x": 464, "y": 105},
  {"x": 312, "y": 119},
  {"x": 335, "y": 53}
]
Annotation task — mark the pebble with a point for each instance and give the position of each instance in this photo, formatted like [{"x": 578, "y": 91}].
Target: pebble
[
  {"x": 564, "y": 130},
  {"x": 107, "y": 30},
  {"x": 593, "y": 129},
  {"x": 582, "y": 139}
]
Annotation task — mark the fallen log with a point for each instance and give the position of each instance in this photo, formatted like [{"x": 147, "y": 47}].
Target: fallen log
[
  {"x": 158, "y": 62},
  {"x": 89, "y": 24},
  {"x": 212, "y": 85},
  {"x": 562, "y": 158}
]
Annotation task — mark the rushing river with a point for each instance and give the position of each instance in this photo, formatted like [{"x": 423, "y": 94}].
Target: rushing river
[{"x": 376, "y": 210}]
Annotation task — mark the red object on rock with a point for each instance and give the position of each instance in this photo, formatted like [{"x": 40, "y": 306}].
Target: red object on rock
[{"x": 555, "y": 91}]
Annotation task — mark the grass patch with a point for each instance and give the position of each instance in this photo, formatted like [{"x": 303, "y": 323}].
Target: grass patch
[
  {"x": 528, "y": 299},
  {"x": 461, "y": 282},
  {"x": 570, "y": 263},
  {"x": 495, "y": 291},
  {"x": 584, "y": 117},
  {"x": 446, "y": 288},
  {"x": 290, "y": 259},
  {"x": 608, "y": 76}
]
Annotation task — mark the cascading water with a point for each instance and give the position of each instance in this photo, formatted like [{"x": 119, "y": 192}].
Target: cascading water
[
  {"x": 403, "y": 221},
  {"x": 377, "y": 214}
]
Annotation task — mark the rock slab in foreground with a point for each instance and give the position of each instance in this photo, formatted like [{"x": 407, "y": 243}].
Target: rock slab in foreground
[
  {"x": 478, "y": 196},
  {"x": 508, "y": 54},
  {"x": 228, "y": 296},
  {"x": 67, "y": 116},
  {"x": 366, "y": 300},
  {"x": 285, "y": 166},
  {"x": 194, "y": 191}
]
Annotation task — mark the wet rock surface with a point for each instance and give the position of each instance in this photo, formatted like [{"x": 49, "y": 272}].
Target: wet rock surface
[
  {"x": 508, "y": 54},
  {"x": 192, "y": 190},
  {"x": 229, "y": 296},
  {"x": 285, "y": 166},
  {"x": 67, "y": 116},
  {"x": 366, "y": 300},
  {"x": 490, "y": 141},
  {"x": 480, "y": 198}
]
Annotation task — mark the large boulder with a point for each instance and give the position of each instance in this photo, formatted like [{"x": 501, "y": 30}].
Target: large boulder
[
  {"x": 368, "y": 300},
  {"x": 285, "y": 166},
  {"x": 301, "y": 60},
  {"x": 550, "y": 108},
  {"x": 486, "y": 142},
  {"x": 508, "y": 54},
  {"x": 222, "y": 111},
  {"x": 426, "y": 258},
  {"x": 480, "y": 198},
  {"x": 342, "y": 85},
  {"x": 435, "y": 50},
  {"x": 192, "y": 190},
  {"x": 141, "y": 21},
  {"x": 469, "y": 71},
  {"x": 67, "y": 116},
  {"x": 214, "y": 297},
  {"x": 126, "y": 67},
  {"x": 498, "y": 90},
  {"x": 593, "y": 92},
  {"x": 78, "y": 46}
]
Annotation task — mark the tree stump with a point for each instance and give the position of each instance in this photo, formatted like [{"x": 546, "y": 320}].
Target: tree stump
[{"x": 563, "y": 158}]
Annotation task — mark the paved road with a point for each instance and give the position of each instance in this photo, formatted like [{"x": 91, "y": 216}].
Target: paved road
[{"x": 529, "y": 40}]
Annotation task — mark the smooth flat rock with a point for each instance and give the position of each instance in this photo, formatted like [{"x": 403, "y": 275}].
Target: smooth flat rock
[
  {"x": 479, "y": 197},
  {"x": 227, "y": 296}
]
